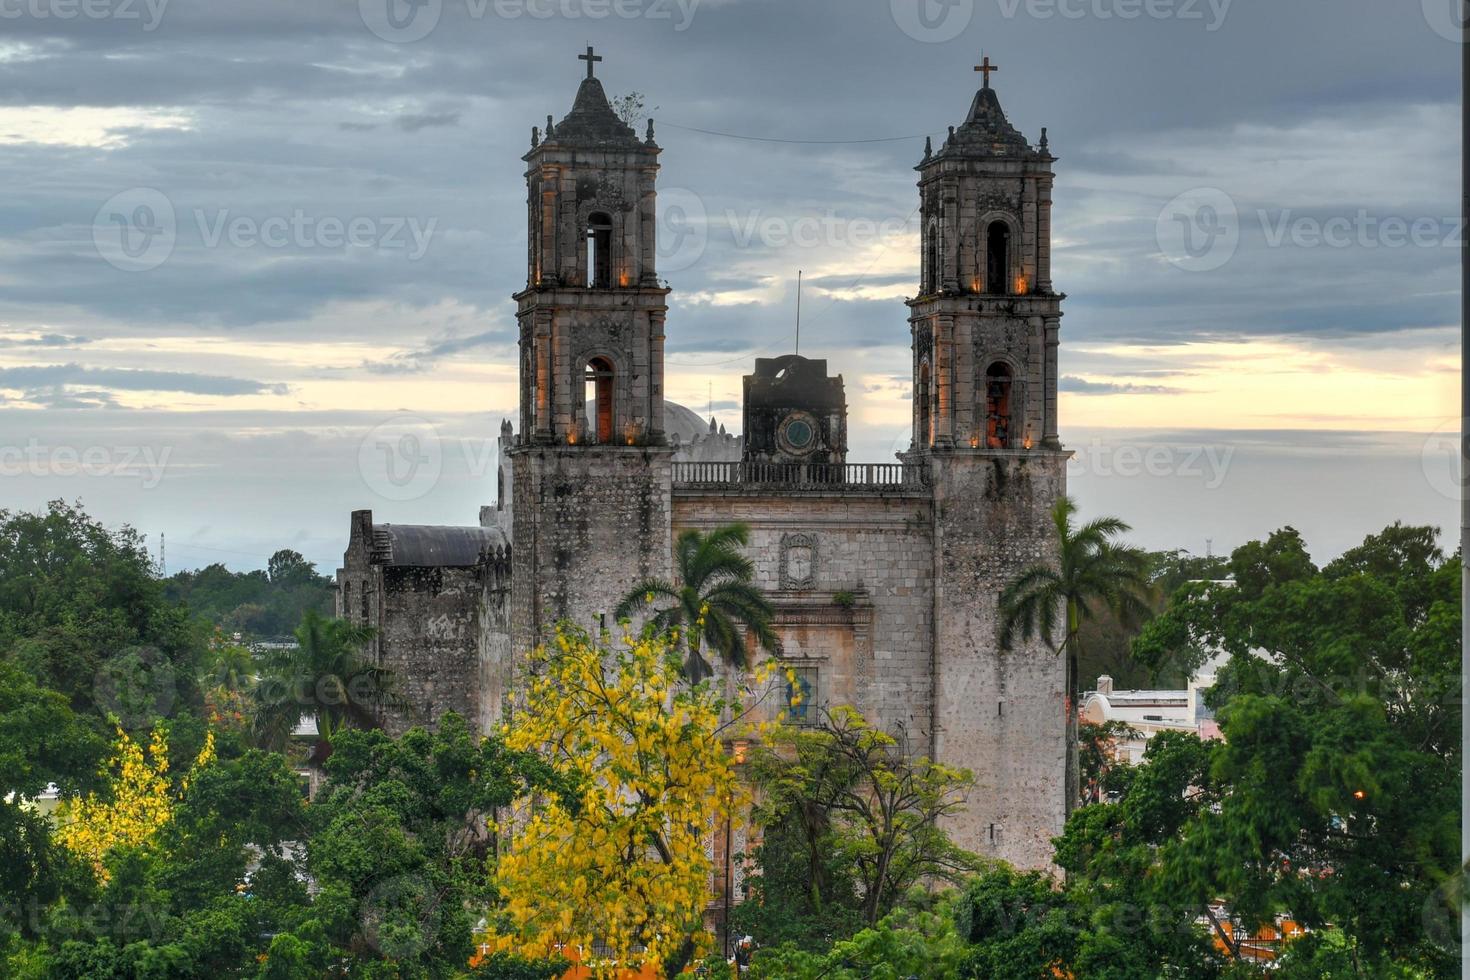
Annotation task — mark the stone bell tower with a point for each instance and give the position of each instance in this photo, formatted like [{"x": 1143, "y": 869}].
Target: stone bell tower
[
  {"x": 984, "y": 329},
  {"x": 591, "y": 469}
]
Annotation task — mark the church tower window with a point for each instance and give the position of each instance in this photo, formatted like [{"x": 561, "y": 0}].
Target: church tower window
[
  {"x": 998, "y": 258},
  {"x": 921, "y": 399},
  {"x": 599, "y": 399},
  {"x": 599, "y": 251},
  {"x": 998, "y": 406},
  {"x": 931, "y": 259}
]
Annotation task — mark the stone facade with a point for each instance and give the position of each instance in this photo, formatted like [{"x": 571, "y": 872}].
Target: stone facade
[
  {"x": 438, "y": 599},
  {"x": 886, "y": 577}
]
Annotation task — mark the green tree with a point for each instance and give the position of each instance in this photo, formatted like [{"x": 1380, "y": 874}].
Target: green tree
[
  {"x": 1054, "y": 599},
  {"x": 401, "y": 836},
  {"x": 868, "y": 818},
  {"x": 715, "y": 602},
  {"x": 42, "y": 741},
  {"x": 81, "y": 612},
  {"x": 325, "y": 676},
  {"x": 1337, "y": 780},
  {"x": 918, "y": 941}
]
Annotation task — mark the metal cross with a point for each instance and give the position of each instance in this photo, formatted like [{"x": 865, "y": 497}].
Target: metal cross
[
  {"x": 986, "y": 67},
  {"x": 591, "y": 58}
]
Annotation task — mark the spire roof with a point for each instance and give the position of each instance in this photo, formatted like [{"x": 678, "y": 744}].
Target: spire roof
[
  {"x": 592, "y": 121},
  {"x": 987, "y": 131}
]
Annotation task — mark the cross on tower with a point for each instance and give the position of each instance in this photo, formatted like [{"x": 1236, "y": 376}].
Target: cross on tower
[
  {"x": 986, "y": 67},
  {"x": 591, "y": 58}
]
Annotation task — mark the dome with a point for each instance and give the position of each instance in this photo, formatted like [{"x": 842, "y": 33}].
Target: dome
[{"x": 684, "y": 423}]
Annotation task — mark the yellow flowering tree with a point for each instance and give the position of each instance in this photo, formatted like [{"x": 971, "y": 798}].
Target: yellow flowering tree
[
  {"x": 621, "y": 861},
  {"x": 138, "y": 803}
]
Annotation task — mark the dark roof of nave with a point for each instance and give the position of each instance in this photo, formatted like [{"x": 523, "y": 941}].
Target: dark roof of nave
[
  {"x": 592, "y": 121},
  {"x": 425, "y": 546},
  {"x": 987, "y": 131}
]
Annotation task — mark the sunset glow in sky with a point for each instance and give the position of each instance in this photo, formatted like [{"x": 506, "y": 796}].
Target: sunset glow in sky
[{"x": 335, "y": 224}]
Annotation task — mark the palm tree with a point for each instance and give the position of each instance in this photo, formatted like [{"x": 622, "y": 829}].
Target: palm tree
[
  {"x": 1092, "y": 570},
  {"x": 715, "y": 600},
  {"x": 324, "y": 676}
]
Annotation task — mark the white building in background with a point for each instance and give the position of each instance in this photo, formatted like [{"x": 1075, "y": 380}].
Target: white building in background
[{"x": 1150, "y": 712}]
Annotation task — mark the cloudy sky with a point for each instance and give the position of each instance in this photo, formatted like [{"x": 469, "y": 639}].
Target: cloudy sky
[{"x": 241, "y": 241}]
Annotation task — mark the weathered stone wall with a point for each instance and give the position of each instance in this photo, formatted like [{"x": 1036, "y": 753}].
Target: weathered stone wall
[
  {"x": 998, "y": 713},
  {"x": 590, "y": 523},
  {"x": 875, "y": 655},
  {"x": 440, "y": 629},
  {"x": 430, "y": 640},
  {"x": 494, "y": 652}
]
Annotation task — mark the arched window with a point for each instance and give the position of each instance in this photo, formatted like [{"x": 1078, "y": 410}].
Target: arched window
[
  {"x": 346, "y": 600},
  {"x": 599, "y": 251},
  {"x": 998, "y": 406},
  {"x": 925, "y": 435},
  {"x": 599, "y": 399},
  {"x": 998, "y": 258},
  {"x": 931, "y": 259}
]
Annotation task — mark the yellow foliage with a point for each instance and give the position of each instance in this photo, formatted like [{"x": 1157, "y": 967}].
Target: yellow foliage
[
  {"x": 624, "y": 862},
  {"x": 139, "y": 801}
]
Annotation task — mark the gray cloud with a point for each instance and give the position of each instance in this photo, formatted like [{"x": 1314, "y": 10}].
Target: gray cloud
[
  {"x": 1081, "y": 386},
  {"x": 50, "y": 377},
  {"x": 424, "y": 357},
  {"x": 413, "y": 122},
  {"x": 44, "y": 340}
]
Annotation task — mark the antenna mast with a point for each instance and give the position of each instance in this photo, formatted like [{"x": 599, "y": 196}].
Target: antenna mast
[{"x": 798, "y": 311}]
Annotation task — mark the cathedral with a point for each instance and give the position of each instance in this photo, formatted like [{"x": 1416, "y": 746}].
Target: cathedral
[{"x": 885, "y": 576}]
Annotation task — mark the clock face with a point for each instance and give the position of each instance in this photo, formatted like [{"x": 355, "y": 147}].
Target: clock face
[{"x": 798, "y": 433}]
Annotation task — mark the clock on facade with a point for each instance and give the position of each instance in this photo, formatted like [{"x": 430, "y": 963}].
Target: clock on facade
[{"x": 798, "y": 433}]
